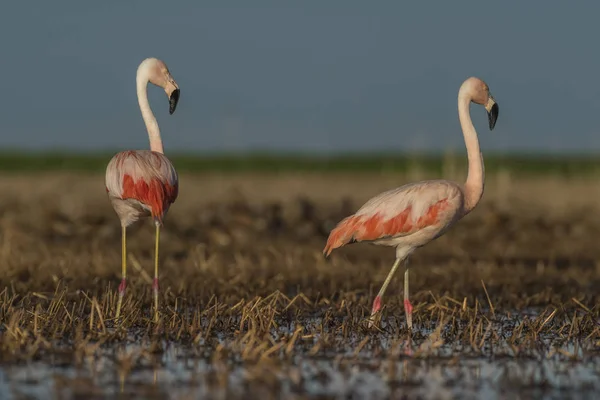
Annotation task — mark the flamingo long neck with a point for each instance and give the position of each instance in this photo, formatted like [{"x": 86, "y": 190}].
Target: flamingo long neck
[
  {"x": 147, "y": 115},
  {"x": 476, "y": 174}
]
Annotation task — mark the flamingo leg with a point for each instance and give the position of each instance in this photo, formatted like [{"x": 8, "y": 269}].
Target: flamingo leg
[
  {"x": 155, "y": 282},
  {"x": 377, "y": 301},
  {"x": 123, "y": 284},
  {"x": 407, "y": 306}
]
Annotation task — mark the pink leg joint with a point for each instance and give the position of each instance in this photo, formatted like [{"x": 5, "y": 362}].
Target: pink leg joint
[
  {"x": 376, "y": 305},
  {"x": 408, "y": 307},
  {"x": 122, "y": 286}
]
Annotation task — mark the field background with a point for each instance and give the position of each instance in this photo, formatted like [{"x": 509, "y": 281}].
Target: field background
[{"x": 537, "y": 212}]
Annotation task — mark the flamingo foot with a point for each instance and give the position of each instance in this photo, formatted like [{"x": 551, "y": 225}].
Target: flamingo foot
[{"x": 408, "y": 308}]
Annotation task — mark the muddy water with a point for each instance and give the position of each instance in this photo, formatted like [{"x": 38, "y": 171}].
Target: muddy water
[{"x": 547, "y": 368}]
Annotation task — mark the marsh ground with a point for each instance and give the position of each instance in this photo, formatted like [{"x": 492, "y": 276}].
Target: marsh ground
[{"x": 506, "y": 303}]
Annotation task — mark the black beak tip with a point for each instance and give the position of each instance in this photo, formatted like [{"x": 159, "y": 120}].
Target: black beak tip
[
  {"x": 493, "y": 116},
  {"x": 173, "y": 100}
]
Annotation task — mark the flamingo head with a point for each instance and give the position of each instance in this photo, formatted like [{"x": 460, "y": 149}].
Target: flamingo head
[
  {"x": 159, "y": 75},
  {"x": 479, "y": 92}
]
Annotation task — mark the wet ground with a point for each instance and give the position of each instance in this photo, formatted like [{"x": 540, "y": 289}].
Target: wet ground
[
  {"x": 435, "y": 364},
  {"x": 506, "y": 303}
]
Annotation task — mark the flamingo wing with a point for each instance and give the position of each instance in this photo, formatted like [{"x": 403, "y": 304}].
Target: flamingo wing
[
  {"x": 398, "y": 212},
  {"x": 145, "y": 176}
]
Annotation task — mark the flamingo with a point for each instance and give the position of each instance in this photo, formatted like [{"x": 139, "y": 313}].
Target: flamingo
[
  {"x": 413, "y": 215},
  {"x": 142, "y": 183}
]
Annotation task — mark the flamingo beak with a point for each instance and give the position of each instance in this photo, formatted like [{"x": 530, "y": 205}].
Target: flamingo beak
[
  {"x": 173, "y": 100},
  {"x": 492, "y": 111}
]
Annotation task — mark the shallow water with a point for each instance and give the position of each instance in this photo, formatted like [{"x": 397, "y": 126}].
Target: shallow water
[
  {"x": 181, "y": 377},
  {"x": 445, "y": 370}
]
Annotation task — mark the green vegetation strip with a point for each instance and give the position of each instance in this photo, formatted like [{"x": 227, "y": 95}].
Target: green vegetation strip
[{"x": 570, "y": 165}]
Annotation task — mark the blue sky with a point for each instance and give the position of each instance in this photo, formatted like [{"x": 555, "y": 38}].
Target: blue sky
[{"x": 309, "y": 76}]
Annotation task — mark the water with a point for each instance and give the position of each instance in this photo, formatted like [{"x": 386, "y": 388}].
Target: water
[
  {"x": 430, "y": 367},
  {"x": 177, "y": 376}
]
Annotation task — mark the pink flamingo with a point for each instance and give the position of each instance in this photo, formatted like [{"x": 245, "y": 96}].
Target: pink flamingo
[
  {"x": 413, "y": 215},
  {"x": 142, "y": 183}
]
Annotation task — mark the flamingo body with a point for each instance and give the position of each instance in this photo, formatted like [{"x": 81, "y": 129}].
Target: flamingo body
[
  {"x": 141, "y": 183},
  {"x": 415, "y": 214},
  {"x": 409, "y": 216}
]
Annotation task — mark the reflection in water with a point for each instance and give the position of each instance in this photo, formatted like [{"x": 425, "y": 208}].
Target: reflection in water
[
  {"x": 184, "y": 378},
  {"x": 450, "y": 370}
]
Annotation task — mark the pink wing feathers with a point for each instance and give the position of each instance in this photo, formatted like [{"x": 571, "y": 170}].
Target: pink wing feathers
[
  {"x": 143, "y": 175},
  {"x": 398, "y": 212}
]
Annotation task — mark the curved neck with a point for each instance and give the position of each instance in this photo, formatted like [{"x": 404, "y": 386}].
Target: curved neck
[
  {"x": 147, "y": 115},
  {"x": 475, "y": 177}
]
